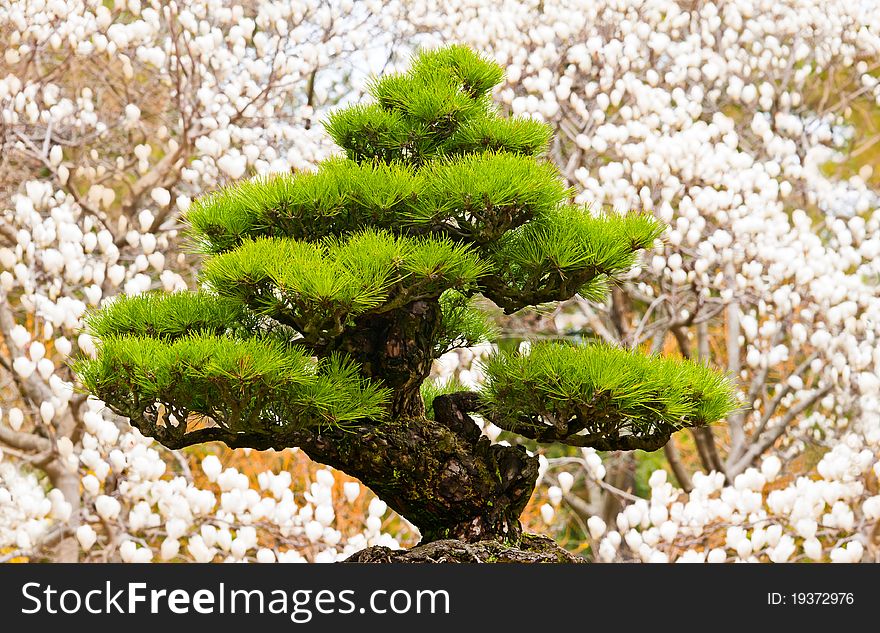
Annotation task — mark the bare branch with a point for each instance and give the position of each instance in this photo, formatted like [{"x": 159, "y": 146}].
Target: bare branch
[
  {"x": 678, "y": 469},
  {"x": 594, "y": 321},
  {"x": 774, "y": 433}
]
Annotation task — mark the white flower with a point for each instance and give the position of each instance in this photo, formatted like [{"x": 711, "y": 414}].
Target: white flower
[
  {"x": 351, "y": 490},
  {"x": 116, "y": 274},
  {"x": 56, "y": 155},
  {"x": 47, "y": 412},
  {"x": 265, "y": 555},
  {"x": 20, "y": 335},
  {"x": 233, "y": 166},
  {"x": 132, "y": 113},
  {"x": 107, "y": 507},
  {"x": 86, "y": 536},
  {"x": 840, "y": 555},
  {"x": 324, "y": 514},
  {"x": 596, "y": 526},
  {"x": 813, "y": 548},
  {"x": 744, "y": 548},
  {"x": 24, "y": 367},
  {"x": 15, "y": 418},
  {"x": 8, "y": 260},
  {"x": 91, "y": 484},
  {"x": 668, "y": 531},
  {"x": 377, "y": 507},
  {"x": 783, "y": 549},
  {"x": 770, "y": 467},
  {"x": 566, "y": 481},
  {"x": 212, "y": 467},
  {"x": 160, "y": 196},
  {"x": 314, "y": 530},
  {"x": 716, "y": 555},
  {"x": 806, "y": 528},
  {"x": 37, "y": 351},
  {"x": 325, "y": 478},
  {"x": 657, "y": 478},
  {"x": 169, "y": 549},
  {"x": 200, "y": 552}
]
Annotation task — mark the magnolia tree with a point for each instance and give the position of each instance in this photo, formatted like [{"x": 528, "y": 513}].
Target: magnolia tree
[
  {"x": 746, "y": 126},
  {"x": 325, "y": 297},
  {"x": 112, "y": 116}
]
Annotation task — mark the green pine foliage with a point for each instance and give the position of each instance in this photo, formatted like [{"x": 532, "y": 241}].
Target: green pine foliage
[
  {"x": 474, "y": 73},
  {"x": 596, "y": 390},
  {"x": 170, "y": 316},
  {"x": 438, "y": 198},
  {"x": 243, "y": 385},
  {"x": 441, "y": 106},
  {"x": 479, "y": 197},
  {"x": 563, "y": 252},
  {"x": 343, "y": 196},
  {"x": 369, "y": 132},
  {"x": 319, "y": 287},
  {"x": 464, "y": 324},
  {"x": 515, "y": 135}
]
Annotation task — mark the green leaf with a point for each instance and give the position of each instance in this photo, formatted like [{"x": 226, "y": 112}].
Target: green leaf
[
  {"x": 463, "y": 323},
  {"x": 564, "y": 251}
]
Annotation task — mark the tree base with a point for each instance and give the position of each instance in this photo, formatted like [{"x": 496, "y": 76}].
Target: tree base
[{"x": 532, "y": 549}]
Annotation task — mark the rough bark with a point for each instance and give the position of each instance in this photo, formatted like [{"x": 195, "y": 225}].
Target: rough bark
[
  {"x": 445, "y": 483},
  {"x": 441, "y": 475},
  {"x": 396, "y": 347},
  {"x": 532, "y": 549}
]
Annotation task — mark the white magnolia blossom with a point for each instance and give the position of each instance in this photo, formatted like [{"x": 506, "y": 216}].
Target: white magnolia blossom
[
  {"x": 760, "y": 518},
  {"x": 135, "y": 506}
]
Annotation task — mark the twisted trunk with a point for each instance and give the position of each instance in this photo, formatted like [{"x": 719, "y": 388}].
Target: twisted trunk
[
  {"x": 440, "y": 474},
  {"x": 445, "y": 484},
  {"x": 396, "y": 348}
]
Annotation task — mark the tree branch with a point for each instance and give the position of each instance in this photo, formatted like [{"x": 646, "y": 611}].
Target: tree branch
[
  {"x": 452, "y": 410},
  {"x": 678, "y": 469},
  {"x": 758, "y": 447},
  {"x": 735, "y": 423}
]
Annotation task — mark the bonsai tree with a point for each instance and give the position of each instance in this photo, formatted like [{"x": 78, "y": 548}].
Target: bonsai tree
[{"x": 326, "y": 296}]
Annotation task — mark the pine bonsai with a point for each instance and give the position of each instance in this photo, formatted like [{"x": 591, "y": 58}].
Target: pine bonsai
[{"x": 326, "y": 296}]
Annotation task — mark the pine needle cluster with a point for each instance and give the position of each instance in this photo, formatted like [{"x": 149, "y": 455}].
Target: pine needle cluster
[{"x": 578, "y": 393}]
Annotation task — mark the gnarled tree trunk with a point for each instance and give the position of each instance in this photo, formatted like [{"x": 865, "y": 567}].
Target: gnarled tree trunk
[
  {"x": 440, "y": 474},
  {"x": 447, "y": 485}
]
